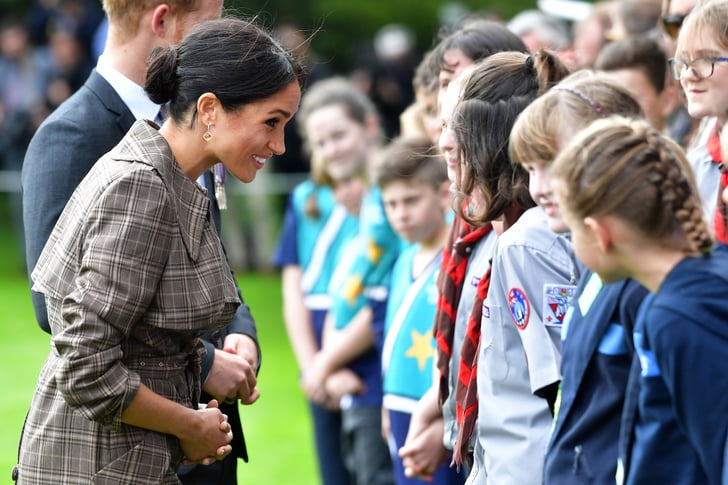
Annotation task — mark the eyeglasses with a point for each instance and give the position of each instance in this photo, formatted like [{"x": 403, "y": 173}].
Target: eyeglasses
[
  {"x": 702, "y": 67},
  {"x": 672, "y": 23}
]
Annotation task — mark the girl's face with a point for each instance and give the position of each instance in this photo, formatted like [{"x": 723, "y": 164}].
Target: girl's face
[
  {"x": 337, "y": 141},
  {"x": 585, "y": 241},
  {"x": 243, "y": 140},
  {"x": 707, "y": 96},
  {"x": 430, "y": 116},
  {"x": 446, "y": 143},
  {"x": 453, "y": 62},
  {"x": 539, "y": 185}
]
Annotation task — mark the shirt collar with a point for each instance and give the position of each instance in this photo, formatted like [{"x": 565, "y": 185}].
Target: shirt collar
[{"x": 131, "y": 93}]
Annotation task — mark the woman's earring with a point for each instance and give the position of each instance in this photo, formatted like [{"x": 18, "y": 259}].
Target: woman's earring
[{"x": 207, "y": 136}]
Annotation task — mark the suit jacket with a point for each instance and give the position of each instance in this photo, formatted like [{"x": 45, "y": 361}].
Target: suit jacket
[
  {"x": 133, "y": 272},
  {"x": 80, "y": 131}
]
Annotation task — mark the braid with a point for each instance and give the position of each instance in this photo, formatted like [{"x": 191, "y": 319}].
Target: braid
[
  {"x": 678, "y": 193},
  {"x": 628, "y": 169}
]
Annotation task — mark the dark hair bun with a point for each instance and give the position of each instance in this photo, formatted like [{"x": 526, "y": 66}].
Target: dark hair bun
[{"x": 161, "y": 80}]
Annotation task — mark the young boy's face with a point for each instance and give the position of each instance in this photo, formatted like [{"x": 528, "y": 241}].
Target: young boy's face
[
  {"x": 430, "y": 115},
  {"x": 539, "y": 185},
  {"x": 415, "y": 209},
  {"x": 655, "y": 105}
]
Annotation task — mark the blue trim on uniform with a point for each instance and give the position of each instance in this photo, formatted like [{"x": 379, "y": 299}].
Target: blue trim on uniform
[
  {"x": 648, "y": 364},
  {"x": 613, "y": 342}
]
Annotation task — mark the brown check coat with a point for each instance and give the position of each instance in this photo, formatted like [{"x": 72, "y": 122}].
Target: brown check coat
[{"x": 132, "y": 273}]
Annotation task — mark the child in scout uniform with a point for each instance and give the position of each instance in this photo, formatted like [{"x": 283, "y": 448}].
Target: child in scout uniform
[
  {"x": 314, "y": 230},
  {"x": 596, "y": 335},
  {"x": 629, "y": 197},
  {"x": 416, "y": 199},
  {"x": 341, "y": 126},
  {"x": 531, "y": 280}
]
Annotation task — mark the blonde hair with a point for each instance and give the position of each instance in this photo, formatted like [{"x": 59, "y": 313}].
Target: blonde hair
[
  {"x": 710, "y": 15},
  {"x": 576, "y": 101},
  {"x": 627, "y": 169},
  {"x": 126, "y": 14}
]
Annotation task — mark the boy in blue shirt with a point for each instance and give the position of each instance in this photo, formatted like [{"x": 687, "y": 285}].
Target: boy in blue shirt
[{"x": 414, "y": 187}]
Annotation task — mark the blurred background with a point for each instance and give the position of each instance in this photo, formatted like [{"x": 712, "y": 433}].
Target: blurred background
[{"x": 48, "y": 48}]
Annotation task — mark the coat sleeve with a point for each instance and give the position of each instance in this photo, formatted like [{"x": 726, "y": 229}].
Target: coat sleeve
[
  {"x": 124, "y": 251},
  {"x": 49, "y": 176}
]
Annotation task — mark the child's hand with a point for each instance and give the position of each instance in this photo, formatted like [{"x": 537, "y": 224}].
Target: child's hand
[
  {"x": 313, "y": 380},
  {"x": 424, "y": 452},
  {"x": 342, "y": 382}
]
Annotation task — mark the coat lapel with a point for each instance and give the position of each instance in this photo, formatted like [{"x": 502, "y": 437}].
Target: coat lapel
[{"x": 145, "y": 145}]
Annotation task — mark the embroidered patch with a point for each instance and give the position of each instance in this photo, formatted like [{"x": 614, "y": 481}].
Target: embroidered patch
[
  {"x": 556, "y": 300},
  {"x": 520, "y": 307}
]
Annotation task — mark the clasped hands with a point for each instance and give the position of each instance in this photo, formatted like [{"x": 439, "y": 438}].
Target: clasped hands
[
  {"x": 213, "y": 433},
  {"x": 232, "y": 375},
  {"x": 326, "y": 386}
]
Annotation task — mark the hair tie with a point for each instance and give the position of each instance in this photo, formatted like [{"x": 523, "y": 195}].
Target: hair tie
[
  {"x": 597, "y": 107},
  {"x": 529, "y": 63}
]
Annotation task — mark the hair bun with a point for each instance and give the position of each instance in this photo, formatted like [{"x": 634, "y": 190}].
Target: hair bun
[
  {"x": 161, "y": 81},
  {"x": 529, "y": 64}
]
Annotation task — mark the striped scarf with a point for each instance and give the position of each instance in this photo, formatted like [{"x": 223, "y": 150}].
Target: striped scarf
[
  {"x": 720, "y": 217},
  {"x": 450, "y": 283}
]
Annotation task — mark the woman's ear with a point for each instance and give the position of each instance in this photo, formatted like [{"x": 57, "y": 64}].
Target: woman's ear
[
  {"x": 207, "y": 105},
  {"x": 601, "y": 232}
]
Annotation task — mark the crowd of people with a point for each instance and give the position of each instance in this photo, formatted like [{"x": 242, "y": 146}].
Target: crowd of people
[
  {"x": 515, "y": 280},
  {"x": 533, "y": 330}
]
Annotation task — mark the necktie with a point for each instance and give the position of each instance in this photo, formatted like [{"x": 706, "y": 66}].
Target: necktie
[{"x": 159, "y": 119}]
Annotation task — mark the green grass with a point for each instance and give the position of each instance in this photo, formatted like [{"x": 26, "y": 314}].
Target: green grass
[{"x": 277, "y": 427}]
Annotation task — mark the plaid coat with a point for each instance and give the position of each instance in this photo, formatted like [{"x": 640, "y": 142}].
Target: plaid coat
[{"x": 132, "y": 273}]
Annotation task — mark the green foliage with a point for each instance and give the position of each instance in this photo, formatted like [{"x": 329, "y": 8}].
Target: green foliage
[{"x": 341, "y": 25}]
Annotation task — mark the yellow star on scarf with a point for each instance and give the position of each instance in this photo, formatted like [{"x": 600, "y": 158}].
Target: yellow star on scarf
[
  {"x": 374, "y": 252},
  {"x": 352, "y": 288},
  {"x": 422, "y": 348}
]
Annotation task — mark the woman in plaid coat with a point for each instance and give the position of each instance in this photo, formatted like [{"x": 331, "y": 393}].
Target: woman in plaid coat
[{"x": 134, "y": 269}]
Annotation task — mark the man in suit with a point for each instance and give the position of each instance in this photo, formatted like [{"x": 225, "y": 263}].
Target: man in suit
[{"x": 88, "y": 125}]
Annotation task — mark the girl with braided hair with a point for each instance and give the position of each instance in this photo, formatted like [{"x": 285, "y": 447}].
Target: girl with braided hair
[
  {"x": 629, "y": 197},
  {"x": 596, "y": 335}
]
